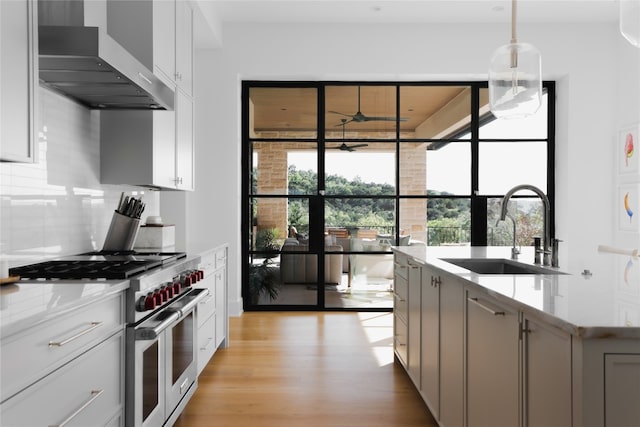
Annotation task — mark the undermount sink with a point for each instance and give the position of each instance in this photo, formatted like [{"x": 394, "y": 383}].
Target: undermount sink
[{"x": 498, "y": 266}]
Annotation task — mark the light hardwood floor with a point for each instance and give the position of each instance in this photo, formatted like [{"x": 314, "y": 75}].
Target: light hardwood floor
[{"x": 306, "y": 369}]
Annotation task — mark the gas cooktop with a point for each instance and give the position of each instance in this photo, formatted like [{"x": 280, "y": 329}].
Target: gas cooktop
[{"x": 97, "y": 265}]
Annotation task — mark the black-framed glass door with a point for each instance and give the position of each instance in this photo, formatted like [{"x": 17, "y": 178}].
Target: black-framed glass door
[
  {"x": 335, "y": 173},
  {"x": 285, "y": 260}
]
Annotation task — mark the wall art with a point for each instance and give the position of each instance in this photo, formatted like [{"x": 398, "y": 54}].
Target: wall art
[
  {"x": 627, "y": 207},
  {"x": 628, "y": 151}
]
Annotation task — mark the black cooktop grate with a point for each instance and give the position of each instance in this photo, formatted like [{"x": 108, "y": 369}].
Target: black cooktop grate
[{"x": 84, "y": 269}]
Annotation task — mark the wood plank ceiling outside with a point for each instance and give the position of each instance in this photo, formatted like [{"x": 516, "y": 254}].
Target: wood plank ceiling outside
[{"x": 294, "y": 109}]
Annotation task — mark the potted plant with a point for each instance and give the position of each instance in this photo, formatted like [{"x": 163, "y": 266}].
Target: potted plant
[{"x": 263, "y": 277}]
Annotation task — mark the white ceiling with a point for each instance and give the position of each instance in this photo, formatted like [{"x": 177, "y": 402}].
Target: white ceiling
[{"x": 411, "y": 11}]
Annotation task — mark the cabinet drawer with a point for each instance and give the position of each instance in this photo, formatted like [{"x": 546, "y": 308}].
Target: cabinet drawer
[
  {"x": 401, "y": 266},
  {"x": 400, "y": 307},
  {"x": 400, "y": 297},
  {"x": 206, "y": 342},
  {"x": 89, "y": 387},
  {"x": 207, "y": 306},
  {"x": 400, "y": 333},
  {"x": 401, "y": 287},
  {"x": 31, "y": 354}
]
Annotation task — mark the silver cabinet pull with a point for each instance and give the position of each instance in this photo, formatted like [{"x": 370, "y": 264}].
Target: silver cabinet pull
[
  {"x": 484, "y": 307},
  {"x": 206, "y": 301},
  {"x": 143, "y": 77},
  {"x": 76, "y": 336},
  {"x": 184, "y": 385},
  {"x": 94, "y": 393},
  {"x": 204, "y": 347}
]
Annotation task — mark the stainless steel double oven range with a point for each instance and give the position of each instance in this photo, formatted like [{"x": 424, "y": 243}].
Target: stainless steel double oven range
[{"x": 161, "y": 368}]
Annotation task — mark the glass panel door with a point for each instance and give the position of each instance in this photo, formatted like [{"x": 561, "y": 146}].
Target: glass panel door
[{"x": 283, "y": 254}]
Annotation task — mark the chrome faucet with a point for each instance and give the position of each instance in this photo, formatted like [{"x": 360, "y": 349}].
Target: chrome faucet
[
  {"x": 546, "y": 243},
  {"x": 514, "y": 251}
]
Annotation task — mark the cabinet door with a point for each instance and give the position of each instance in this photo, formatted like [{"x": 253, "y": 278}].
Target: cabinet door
[
  {"x": 184, "y": 141},
  {"x": 164, "y": 38},
  {"x": 184, "y": 46},
  {"x": 206, "y": 341},
  {"x": 18, "y": 84},
  {"x": 622, "y": 389},
  {"x": 163, "y": 143},
  {"x": 400, "y": 307},
  {"x": 413, "y": 343},
  {"x": 221, "y": 305},
  {"x": 451, "y": 353},
  {"x": 547, "y": 376},
  {"x": 492, "y": 363},
  {"x": 430, "y": 340}
]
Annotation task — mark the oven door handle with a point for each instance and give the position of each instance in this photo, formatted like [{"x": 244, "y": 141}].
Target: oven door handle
[
  {"x": 198, "y": 295},
  {"x": 152, "y": 333}
]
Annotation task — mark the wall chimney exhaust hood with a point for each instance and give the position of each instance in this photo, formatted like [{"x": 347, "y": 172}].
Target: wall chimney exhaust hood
[{"x": 88, "y": 65}]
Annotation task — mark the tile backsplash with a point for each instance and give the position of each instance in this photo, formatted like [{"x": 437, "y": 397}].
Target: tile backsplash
[{"x": 58, "y": 206}]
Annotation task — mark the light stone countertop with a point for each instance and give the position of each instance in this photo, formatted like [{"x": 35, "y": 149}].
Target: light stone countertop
[
  {"x": 605, "y": 304},
  {"x": 31, "y": 302}
]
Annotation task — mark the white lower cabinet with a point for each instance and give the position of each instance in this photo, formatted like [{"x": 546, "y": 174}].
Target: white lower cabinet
[
  {"x": 400, "y": 308},
  {"x": 206, "y": 342},
  {"x": 492, "y": 356},
  {"x": 414, "y": 323},
  {"x": 85, "y": 392},
  {"x": 622, "y": 389},
  {"x": 430, "y": 340},
  {"x": 33, "y": 353},
  {"x": 222, "y": 313},
  {"x": 547, "y": 375},
  {"x": 212, "y": 311},
  {"x": 451, "y": 398}
]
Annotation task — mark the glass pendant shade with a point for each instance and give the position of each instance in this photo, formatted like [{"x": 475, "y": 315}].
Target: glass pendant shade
[
  {"x": 630, "y": 21},
  {"x": 515, "y": 81}
]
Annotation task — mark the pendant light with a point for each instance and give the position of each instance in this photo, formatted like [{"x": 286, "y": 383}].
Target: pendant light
[
  {"x": 630, "y": 21},
  {"x": 515, "y": 77}
]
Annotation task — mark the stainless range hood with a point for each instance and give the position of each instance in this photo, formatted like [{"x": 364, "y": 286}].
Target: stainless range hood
[{"x": 86, "y": 64}]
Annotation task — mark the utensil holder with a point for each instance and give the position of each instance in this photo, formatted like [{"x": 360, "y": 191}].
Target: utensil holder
[{"x": 122, "y": 233}]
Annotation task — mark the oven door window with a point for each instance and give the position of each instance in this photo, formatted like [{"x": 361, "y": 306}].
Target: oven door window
[
  {"x": 183, "y": 356},
  {"x": 150, "y": 379}
]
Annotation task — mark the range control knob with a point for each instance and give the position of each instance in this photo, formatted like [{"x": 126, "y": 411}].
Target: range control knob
[
  {"x": 200, "y": 274},
  {"x": 157, "y": 297},
  {"x": 169, "y": 291},
  {"x": 187, "y": 280},
  {"x": 177, "y": 287},
  {"x": 146, "y": 303}
]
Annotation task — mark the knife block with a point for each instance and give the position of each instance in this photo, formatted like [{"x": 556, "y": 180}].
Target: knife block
[{"x": 122, "y": 233}]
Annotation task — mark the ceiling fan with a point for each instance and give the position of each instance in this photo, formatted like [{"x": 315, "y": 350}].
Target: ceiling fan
[
  {"x": 359, "y": 117},
  {"x": 344, "y": 146}
]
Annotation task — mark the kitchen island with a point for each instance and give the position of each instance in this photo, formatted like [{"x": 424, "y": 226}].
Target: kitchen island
[{"x": 560, "y": 348}]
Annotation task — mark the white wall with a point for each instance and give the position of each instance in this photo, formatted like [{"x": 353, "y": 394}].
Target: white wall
[{"x": 584, "y": 59}]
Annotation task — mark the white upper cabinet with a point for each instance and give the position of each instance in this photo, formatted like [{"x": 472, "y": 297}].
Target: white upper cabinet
[
  {"x": 173, "y": 42},
  {"x": 164, "y": 53},
  {"x": 184, "y": 46},
  {"x": 153, "y": 148},
  {"x": 184, "y": 174},
  {"x": 18, "y": 81}
]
